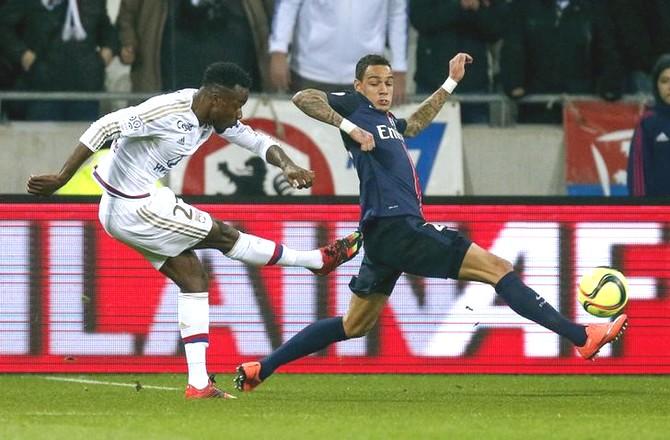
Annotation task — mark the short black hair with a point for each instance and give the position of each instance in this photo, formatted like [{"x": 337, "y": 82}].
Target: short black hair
[
  {"x": 369, "y": 60},
  {"x": 227, "y": 75}
]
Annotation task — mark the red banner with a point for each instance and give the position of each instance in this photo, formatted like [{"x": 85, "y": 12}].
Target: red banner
[
  {"x": 75, "y": 300},
  {"x": 597, "y": 139}
]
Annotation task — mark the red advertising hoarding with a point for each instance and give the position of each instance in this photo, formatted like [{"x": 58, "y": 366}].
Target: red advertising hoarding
[{"x": 75, "y": 300}]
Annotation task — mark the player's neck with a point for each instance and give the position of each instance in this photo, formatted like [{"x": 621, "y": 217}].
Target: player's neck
[{"x": 200, "y": 107}]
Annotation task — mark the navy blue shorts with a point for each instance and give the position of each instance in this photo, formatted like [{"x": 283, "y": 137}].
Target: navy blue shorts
[{"x": 394, "y": 245}]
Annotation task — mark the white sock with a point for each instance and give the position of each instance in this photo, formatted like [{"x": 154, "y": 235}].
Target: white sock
[
  {"x": 197, "y": 365},
  {"x": 193, "y": 313},
  {"x": 259, "y": 252}
]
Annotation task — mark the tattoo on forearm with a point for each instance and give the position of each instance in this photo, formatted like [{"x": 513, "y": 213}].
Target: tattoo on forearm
[
  {"x": 314, "y": 103},
  {"x": 426, "y": 112}
]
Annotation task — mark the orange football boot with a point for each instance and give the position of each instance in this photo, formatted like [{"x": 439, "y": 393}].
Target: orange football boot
[
  {"x": 248, "y": 376},
  {"x": 597, "y": 335},
  {"x": 209, "y": 392}
]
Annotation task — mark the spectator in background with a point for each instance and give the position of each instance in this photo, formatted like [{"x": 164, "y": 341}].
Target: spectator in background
[
  {"x": 649, "y": 154},
  {"x": 170, "y": 43},
  {"x": 642, "y": 30},
  {"x": 327, "y": 38},
  {"x": 7, "y": 68},
  {"x": 61, "y": 45},
  {"x": 447, "y": 27},
  {"x": 559, "y": 46}
]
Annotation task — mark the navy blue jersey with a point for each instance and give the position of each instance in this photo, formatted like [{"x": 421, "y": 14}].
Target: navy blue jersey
[{"x": 389, "y": 185}]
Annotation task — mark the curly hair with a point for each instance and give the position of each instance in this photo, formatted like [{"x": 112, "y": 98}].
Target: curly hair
[{"x": 227, "y": 75}]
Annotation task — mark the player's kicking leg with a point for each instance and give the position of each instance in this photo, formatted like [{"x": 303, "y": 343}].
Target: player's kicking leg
[
  {"x": 258, "y": 251},
  {"x": 481, "y": 265},
  {"x": 193, "y": 312}
]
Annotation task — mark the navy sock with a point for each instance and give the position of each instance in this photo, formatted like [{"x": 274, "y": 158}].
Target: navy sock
[
  {"x": 311, "y": 339},
  {"x": 527, "y": 303}
]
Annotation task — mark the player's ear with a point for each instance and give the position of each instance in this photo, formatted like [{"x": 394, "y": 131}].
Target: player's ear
[{"x": 358, "y": 85}]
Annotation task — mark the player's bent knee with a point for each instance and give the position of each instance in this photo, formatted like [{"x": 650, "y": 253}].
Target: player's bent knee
[
  {"x": 222, "y": 236},
  {"x": 503, "y": 266},
  {"x": 357, "y": 329}
]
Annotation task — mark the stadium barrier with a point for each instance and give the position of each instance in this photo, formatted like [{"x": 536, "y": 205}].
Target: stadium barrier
[{"x": 75, "y": 300}]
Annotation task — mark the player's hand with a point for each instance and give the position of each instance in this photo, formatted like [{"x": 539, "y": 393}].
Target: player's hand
[
  {"x": 44, "y": 185},
  {"x": 457, "y": 66},
  {"x": 279, "y": 72},
  {"x": 298, "y": 177},
  {"x": 362, "y": 137}
]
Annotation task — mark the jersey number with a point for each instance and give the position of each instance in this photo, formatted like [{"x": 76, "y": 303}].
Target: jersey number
[{"x": 188, "y": 214}]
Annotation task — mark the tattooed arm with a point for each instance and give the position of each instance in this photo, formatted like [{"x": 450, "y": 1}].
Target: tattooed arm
[
  {"x": 429, "y": 108},
  {"x": 314, "y": 103},
  {"x": 426, "y": 112}
]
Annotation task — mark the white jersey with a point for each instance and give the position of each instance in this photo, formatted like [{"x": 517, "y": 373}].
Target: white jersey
[{"x": 151, "y": 138}]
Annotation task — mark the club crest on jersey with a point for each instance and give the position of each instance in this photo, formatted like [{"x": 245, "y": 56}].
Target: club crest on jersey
[
  {"x": 386, "y": 132},
  {"x": 185, "y": 126}
]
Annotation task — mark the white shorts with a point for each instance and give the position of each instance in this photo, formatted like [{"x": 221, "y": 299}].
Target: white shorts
[{"x": 159, "y": 226}]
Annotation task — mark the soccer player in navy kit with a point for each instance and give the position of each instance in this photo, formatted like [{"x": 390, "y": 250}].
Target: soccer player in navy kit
[{"x": 396, "y": 237}]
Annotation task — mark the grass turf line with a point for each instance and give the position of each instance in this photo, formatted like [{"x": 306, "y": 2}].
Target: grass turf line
[{"x": 340, "y": 407}]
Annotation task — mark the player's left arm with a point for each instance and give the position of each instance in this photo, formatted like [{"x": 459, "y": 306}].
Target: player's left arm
[
  {"x": 267, "y": 148},
  {"x": 47, "y": 184},
  {"x": 429, "y": 108},
  {"x": 297, "y": 176}
]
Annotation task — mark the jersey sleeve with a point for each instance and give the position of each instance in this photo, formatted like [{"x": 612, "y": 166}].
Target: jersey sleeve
[
  {"x": 146, "y": 119},
  {"x": 344, "y": 103},
  {"x": 249, "y": 139}
]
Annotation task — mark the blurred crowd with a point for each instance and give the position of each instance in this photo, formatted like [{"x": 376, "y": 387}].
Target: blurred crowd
[{"x": 520, "y": 47}]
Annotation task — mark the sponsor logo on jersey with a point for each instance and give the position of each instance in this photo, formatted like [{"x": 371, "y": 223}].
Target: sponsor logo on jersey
[
  {"x": 182, "y": 141},
  {"x": 662, "y": 137},
  {"x": 184, "y": 126},
  {"x": 174, "y": 161},
  {"x": 386, "y": 132}
]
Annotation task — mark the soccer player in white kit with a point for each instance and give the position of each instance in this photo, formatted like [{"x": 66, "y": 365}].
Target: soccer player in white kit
[{"x": 147, "y": 141}]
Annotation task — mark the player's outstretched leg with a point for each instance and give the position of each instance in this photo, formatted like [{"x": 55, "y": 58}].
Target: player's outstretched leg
[
  {"x": 597, "y": 335},
  {"x": 258, "y": 251}
]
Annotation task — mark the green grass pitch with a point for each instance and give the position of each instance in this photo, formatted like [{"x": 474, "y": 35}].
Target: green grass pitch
[{"x": 340, "y": 407}]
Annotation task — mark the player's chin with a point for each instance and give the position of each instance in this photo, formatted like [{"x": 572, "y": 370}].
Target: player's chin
[{"x": 383, "y": 104}]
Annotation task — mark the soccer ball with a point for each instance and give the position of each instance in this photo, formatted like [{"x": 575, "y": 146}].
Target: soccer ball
[{"x": 603, "y": 291}]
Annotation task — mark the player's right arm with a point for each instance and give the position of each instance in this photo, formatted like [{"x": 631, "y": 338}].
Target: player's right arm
[
  {"x": 47, "y": 184},
  {"x": 142, "y": 120},
  {"x": 314, "y": 103},
  {"x": 429, "y": 108}
]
